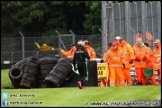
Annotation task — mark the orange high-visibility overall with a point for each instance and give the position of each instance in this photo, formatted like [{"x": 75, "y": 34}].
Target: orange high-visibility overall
[
  {"x": 140, "y": 52},
  {"x": 68, "y": 54},
  {"x": 114, "y": 58},
  {"x": 157, "y": 62},
  {"x": 91, "y": 52},
  {"x": 105, "y": 58},
  {"x": 149, "y": 64},
  {"x": 128, "y": 54}
]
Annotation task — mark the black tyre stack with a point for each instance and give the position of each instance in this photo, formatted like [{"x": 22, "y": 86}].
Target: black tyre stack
[
  {"x": 16, "y": 72},
  {"x": 59, "y": 73},
  {"x": 48, "y": 72},
  {"x": 15, "y": 75},
  {"x": 46, "y": 65},
  {"x": 50, "y": 54},
  {"x": 30, "y": 77}
]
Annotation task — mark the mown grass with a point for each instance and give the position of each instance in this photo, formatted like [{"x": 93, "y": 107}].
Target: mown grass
[
  {"x": 5, "y": 81},
  {"x": 75, "y": 97}
]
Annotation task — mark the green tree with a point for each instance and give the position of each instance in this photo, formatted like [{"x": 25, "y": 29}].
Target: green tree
[
  {"x": 18, "y": 15},
  {"x": 66, "y": 15},
  {"x": 47, "y": 16},
  {"x": 93, "y": 17}
]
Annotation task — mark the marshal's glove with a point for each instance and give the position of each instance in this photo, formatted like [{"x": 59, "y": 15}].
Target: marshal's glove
[
  {"x": 137, "y": 59},
  {"x": 101, "y": 61},
  {"x": 144, "y": 58},
  {"x": 131, "y": 61},
  {"x": 123, "y": 65}
]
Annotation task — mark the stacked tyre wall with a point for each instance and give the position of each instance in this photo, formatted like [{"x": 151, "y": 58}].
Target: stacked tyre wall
[
  {"x": 46, "y": 65},
  {"x": 49, "y": 72},
  {"x": 16, "y": 72},
  {"x": 30, "y": 77}
]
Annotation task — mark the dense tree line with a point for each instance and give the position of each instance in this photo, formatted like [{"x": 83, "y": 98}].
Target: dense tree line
[{"x": 47, "y": 16}]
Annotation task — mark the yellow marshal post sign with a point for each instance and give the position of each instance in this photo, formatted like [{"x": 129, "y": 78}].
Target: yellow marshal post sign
[{"x": 102, "y": 70}]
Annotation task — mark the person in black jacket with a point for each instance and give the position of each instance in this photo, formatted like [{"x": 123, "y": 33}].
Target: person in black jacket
[{"x": 80, "y": 56}]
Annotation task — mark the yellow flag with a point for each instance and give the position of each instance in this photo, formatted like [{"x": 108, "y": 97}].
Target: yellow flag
[
  {"x": 44, "y": 47},
  {"x": 37, "y": 45}
]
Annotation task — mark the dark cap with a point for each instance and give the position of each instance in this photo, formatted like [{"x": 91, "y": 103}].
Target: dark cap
[
  {"x": 72, "y": 45},
  {"x": 109, "y": 44},
  {"x": 147, "y": 44}
]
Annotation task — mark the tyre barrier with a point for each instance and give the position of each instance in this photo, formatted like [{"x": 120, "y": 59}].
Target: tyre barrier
[
  {"x": 59, "y": 73},
  {"x": 42, "y": 54},
  {"x": 46, "y": 65},
  {"x": 68, "y": 59},
  {"x": 26, "y": 74},
  {"x": 45, "y": 70},
  {"x": 43, "y": 74},
  {"x": 16, "y": 72},
  {"x": 44, "y": 84},
  {"x": 30, "y": 78},
  {"x": 48, "y": 60}
]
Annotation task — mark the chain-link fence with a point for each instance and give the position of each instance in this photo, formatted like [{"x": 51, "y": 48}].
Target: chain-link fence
[
  {"x": 126, "y": 19},
  {"x": 15, "y": 49}
]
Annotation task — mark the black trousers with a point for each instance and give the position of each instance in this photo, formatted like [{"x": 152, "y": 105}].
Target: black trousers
[{"x": 82, "y": 71}]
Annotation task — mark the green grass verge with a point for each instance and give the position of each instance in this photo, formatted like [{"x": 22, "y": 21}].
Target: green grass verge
[
  {"x": 75, "y": 97},
  {"x": 5, "y": 81}
]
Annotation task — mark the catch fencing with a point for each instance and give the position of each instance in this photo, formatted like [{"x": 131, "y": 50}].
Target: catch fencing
[
  {"x": 124, "y": 19},
  {"x": 18, "y": 48}
]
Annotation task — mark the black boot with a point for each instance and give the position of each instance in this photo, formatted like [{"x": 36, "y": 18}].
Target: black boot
[
  {"x": 82, "y": 87},
  {"x": 82, "y": 83}
]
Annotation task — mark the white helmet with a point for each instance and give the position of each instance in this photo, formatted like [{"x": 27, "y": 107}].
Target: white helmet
[
  {"x": 117, "y": 38},
  {"x": 80, "y": 43}
]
